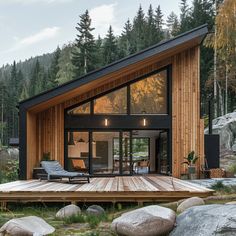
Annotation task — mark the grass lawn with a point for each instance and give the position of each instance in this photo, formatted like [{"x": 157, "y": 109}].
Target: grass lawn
[{"x": 78, "y": 225}]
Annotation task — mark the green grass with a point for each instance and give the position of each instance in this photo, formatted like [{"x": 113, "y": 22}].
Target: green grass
[
  {"x": 82, "y": 224},
  {"x": 220, "y": 188}
]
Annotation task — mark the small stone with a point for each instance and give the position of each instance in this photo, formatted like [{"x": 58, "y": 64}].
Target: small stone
[
  {"x": 95, "y": 210},
  {"x": 68, "y": 211}
]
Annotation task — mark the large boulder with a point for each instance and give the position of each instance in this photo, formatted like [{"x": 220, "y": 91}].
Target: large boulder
[
  {"x": 225, "y": 126},
  {"x": 26, "y": 226},
  {"x": 187, "y": 203},
  {"x": 95, "y": 210},
  {"x": 207, "y": 220},
  {"x": 68, "y": 211},
  {"x": 147, "y": 221}
]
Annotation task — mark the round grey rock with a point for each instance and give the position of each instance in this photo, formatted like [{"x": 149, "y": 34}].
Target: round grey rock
[
  {"x": 30, "y": 225},
  {"x": 190, "y": 202},
  {"x": 208, "y": 220},
  {"x": 147, "y": 221},
  {"x": 68, "y": 211},
  {"x": 231, "y": 203},
  {"x": 95, "y": 210}
]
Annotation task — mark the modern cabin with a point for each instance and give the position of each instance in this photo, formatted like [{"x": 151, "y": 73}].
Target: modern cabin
[{"x": 138, "y": 115}]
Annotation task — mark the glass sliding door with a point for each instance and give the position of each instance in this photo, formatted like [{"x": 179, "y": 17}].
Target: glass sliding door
[
  {"x": 105, "y": 160},
  {"x": 126, "y": 159},
  {"x": 78, "y": 151},
  {"x": 163, "y": 160}
]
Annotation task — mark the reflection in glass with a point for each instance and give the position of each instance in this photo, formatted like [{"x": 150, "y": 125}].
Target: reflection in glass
[
  {"x": 105, "y": 160},
  {"x": 112, "y": 103},
  {"x": 78, "y": 151},
  {"x": 149, "y": 96},
  {"x": 83, "y": 109},
  {"x": 126, "y": 164}
]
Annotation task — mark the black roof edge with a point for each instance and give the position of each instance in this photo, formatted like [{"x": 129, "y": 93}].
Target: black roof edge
[{"x": 148, "y": 52}]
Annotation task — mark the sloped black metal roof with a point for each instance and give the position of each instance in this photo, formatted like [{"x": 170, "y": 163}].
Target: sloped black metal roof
[{"x": 199, "y": 32}]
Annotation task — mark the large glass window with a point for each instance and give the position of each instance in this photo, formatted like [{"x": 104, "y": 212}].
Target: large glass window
[
  {"x": 112, "y": 103},
  {"x": 149, "y": 96}
]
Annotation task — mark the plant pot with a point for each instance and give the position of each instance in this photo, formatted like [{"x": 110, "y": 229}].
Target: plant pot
[{"x": 191, "y": 170}]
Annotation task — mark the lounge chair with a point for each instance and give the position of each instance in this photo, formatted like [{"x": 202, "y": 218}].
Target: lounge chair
[{"x": 56, "y": 171}]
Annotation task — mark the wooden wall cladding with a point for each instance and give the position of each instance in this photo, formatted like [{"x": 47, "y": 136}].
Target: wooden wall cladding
[
  {"x": 187, "y": 127},
  {"x": 47, "y": 127}
]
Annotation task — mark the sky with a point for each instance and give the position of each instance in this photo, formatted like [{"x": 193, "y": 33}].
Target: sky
[{"x": 30, "y": 28}]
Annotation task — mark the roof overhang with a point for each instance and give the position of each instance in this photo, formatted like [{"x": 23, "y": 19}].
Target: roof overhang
[{"x": 158, "y": 52}]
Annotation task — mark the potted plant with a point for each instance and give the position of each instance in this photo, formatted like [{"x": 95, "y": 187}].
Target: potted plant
[{"x": 190, "y": 162}]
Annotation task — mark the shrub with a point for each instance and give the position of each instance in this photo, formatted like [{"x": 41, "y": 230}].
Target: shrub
[
  {"x": 9, "y": 171},
  {"x": 232, "y": 168},
  {"x": 220, "y": 187}
]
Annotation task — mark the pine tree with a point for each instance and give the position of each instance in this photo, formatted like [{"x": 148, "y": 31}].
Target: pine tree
[
  {"x": 184, "y": 17},
  {"x": 3, "y": 95},
  {"x": 37, "y": 81},
  {"x": 54, "y": 68},
  {"x": 83, "y": 56},
  {"x": 159, "y": 23},
  {"x": 99, "y": 54},
  {"x": 139, "y": 26},
  {"x": 12, "y": 99},
  {"x": 24, "y": 92},
  {"x": 110, "y": 47},
  {"x": 126, "y": 46},
  {"x": 203, "y": 12},
  {"x": 66, "y": 68},
  {"x": 172, "y": 24},
  {"x": 151, "y": 30}
]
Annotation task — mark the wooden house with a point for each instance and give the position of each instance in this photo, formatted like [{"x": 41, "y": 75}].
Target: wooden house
[{"x": 138, "y": 115}]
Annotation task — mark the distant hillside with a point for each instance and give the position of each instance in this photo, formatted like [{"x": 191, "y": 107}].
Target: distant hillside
[{"x": 27, "y": 65}]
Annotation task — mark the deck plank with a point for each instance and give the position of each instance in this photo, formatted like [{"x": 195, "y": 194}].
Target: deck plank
[{"x": 119, "y": 188}]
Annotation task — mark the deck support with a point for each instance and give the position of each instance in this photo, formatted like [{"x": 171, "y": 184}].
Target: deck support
[{"x": 3, "y": 206}]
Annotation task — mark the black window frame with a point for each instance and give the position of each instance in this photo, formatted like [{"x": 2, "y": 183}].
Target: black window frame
[{"x": 128, "y": 90}]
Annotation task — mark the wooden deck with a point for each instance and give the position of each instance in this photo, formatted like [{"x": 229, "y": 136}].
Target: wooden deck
[{"x": 113, "y": 189}]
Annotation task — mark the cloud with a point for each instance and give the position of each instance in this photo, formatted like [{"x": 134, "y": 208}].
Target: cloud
[
  {"x": 42, "y": 35},
  {"x": 102, "y": 17},
  {"x": 27, "y": 2}
]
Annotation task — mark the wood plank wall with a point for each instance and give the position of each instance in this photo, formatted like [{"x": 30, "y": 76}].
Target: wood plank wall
[
  {"x": 46, "y": 129},
  {"x": 187, "y": 127}
]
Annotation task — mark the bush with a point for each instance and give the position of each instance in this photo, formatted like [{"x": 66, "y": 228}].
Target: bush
[
  {"x": 220, "y": 187},
  {"x": 232, "y": 168},
  {"x": 9, "y": 172}
]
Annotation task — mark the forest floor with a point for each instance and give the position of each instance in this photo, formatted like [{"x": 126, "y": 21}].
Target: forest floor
[{"x": 89, "y": 225}]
